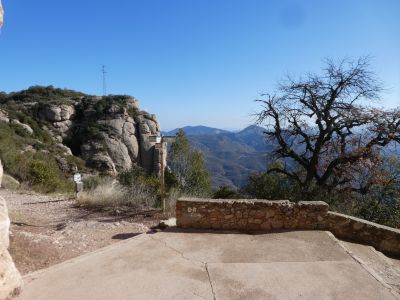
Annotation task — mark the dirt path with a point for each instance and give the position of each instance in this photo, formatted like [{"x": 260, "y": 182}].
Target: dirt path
[{"x": 47, "y": 230}]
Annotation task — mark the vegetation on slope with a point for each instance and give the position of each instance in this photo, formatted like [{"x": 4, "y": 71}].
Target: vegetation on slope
[{"x": 36, "y": 169}]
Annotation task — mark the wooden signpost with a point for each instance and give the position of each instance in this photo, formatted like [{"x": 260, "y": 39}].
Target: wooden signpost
[{"x": 160, "y": 141}]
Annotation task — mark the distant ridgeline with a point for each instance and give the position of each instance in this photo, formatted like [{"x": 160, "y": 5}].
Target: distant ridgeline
[
  {"x": 230, "y": 156},
  {"x": 106, "y": 134}
]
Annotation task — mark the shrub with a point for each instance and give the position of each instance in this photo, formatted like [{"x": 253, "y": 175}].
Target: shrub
[
  {"x": 37, "y": 170},
  {"x": 137, "y": 175},
  {"x": 46, "y": 177},
  {"x": 107, "y": 194},
  {"x": 225, "y": 192},
  {"x": 111, "y": 194}
]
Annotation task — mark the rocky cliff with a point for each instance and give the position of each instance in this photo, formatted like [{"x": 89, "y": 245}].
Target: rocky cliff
[{"x": 111, "y": 134}]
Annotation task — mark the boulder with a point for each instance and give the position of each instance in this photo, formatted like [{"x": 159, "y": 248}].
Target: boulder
[
  {"x": 115, "y": 125},
  {"x": 130, "y": 140},
  {"x": 4, "y": 116},
  {"x": 10, "y": 278},
  {"x": 119, "y": 154},
  {"x": 56, "y": 113},
  {"x": 67, "y": 112},
  {"x": 62, "y": 127},
  {"x": 10, "y": 182},
  {"x": 133, "y": 104},
  {"x": 65, "y": 150},
  {"x": 26, "y": 127},
  {"x": 103, "y": 163}
]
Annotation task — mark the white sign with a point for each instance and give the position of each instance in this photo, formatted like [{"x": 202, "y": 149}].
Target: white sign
[
  {"x": 77, "y": 177},
  {"x": 155, "y": 139}
]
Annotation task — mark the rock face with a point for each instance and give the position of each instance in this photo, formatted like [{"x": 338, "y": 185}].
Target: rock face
[
  {"x": 110, "y": 133},
  {"x": 10, "y": 278},
  {"x": 1, "y": 173},
  {"x": 1, "y": 15},
  {"x": 4, "y": 116}
]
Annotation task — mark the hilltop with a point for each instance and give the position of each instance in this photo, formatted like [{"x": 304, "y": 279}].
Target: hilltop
[{"x": 47, "y": 134}]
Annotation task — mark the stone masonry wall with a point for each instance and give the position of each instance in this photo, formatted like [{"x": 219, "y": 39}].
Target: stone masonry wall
[
  {"x": 250, "y": 214},
  {"x": 263, "y": 215},
  {"x": 383, "y": 238}
]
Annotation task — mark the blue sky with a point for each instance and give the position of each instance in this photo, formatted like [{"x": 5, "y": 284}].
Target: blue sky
[{"x": 193, "y": 61}]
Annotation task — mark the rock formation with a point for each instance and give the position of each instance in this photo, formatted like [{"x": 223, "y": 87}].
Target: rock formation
[
  {"x": 1, "y": 15},
  {"x": 110, "y": 133},
  {"x": 10, "y": 279},
  {"x": 1, "y": 173}
]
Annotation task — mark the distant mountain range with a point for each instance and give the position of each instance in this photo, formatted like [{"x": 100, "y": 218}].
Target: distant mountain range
[
  {"x": 230, "y": 156},
  {"x": 197, "y": 130}
]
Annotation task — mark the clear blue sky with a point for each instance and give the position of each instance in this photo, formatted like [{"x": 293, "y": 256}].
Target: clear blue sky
[{"x": 193, "y": 61}]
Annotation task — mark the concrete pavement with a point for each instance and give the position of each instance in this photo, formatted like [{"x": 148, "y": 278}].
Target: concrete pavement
[{"x": 208, "y": 265}]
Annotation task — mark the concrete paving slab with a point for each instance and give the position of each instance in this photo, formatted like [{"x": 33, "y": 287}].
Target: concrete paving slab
[
  {"x": 140, "y": 268},
  {"x": 211, "y": 246},
  {"x": 207, "y": 265},
  {"x": 295, "y": 280}
]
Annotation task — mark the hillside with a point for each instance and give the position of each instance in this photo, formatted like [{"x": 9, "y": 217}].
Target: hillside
[
  {"x": 230, "y": 156},
  {"x": 47, "y": 134},
  {"x": 198, "y": 130}
]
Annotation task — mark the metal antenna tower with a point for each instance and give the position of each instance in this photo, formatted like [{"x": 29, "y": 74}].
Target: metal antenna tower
[{"x": 103, "y": 70}]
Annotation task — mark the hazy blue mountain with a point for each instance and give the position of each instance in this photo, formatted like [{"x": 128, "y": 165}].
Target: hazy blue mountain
[
  {"x": 197, "y": 130},
  {"x": 230, "y": 156}
]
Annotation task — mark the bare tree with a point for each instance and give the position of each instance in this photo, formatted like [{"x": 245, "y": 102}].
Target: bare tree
[{"x": 326, "y": 123}]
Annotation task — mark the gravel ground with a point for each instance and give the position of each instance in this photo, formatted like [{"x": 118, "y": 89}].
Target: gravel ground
[{"x": 47, "y": 230}]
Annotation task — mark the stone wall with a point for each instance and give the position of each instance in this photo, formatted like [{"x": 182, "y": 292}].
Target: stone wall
[
  {"x": 250, "y": 214},
  {"x": 383, "y": 238},
  {"x": 263, "y": 215},
  {"x": 10, "y": 279}
]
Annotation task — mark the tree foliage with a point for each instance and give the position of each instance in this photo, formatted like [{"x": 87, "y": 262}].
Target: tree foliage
[
  {"x": 323, "y": 124},
  {"x": 188, "y": 167}
]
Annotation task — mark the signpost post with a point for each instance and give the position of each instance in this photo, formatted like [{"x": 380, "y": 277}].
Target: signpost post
[{"x": 160, "y": 140}]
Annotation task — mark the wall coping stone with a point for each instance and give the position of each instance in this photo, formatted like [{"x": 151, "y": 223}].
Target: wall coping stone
[
  {"x": 230, "y": 201},
  {"x": 321, "y": 204},
  {"x": 394, "y": 230}
]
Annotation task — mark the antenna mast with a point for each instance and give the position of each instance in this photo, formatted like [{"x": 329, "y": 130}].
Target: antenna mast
[{"x": 103, "y": 70}]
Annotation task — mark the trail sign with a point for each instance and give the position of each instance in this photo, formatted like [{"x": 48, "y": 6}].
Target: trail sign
[
  {"x": 155, "y": 139},
  {"x": 77, "y": 177}
]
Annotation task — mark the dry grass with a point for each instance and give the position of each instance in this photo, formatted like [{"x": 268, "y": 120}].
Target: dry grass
[{"x": 112, "y": 194}]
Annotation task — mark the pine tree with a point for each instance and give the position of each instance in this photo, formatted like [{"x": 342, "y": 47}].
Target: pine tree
[{"x": 187, "y": 164}]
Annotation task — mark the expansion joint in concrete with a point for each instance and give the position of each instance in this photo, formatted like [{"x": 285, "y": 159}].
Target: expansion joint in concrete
[
  {"x": 176, "y": 250},
  {"x": 209, "y": 279},
  {"x": 205, "y": 264}
]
